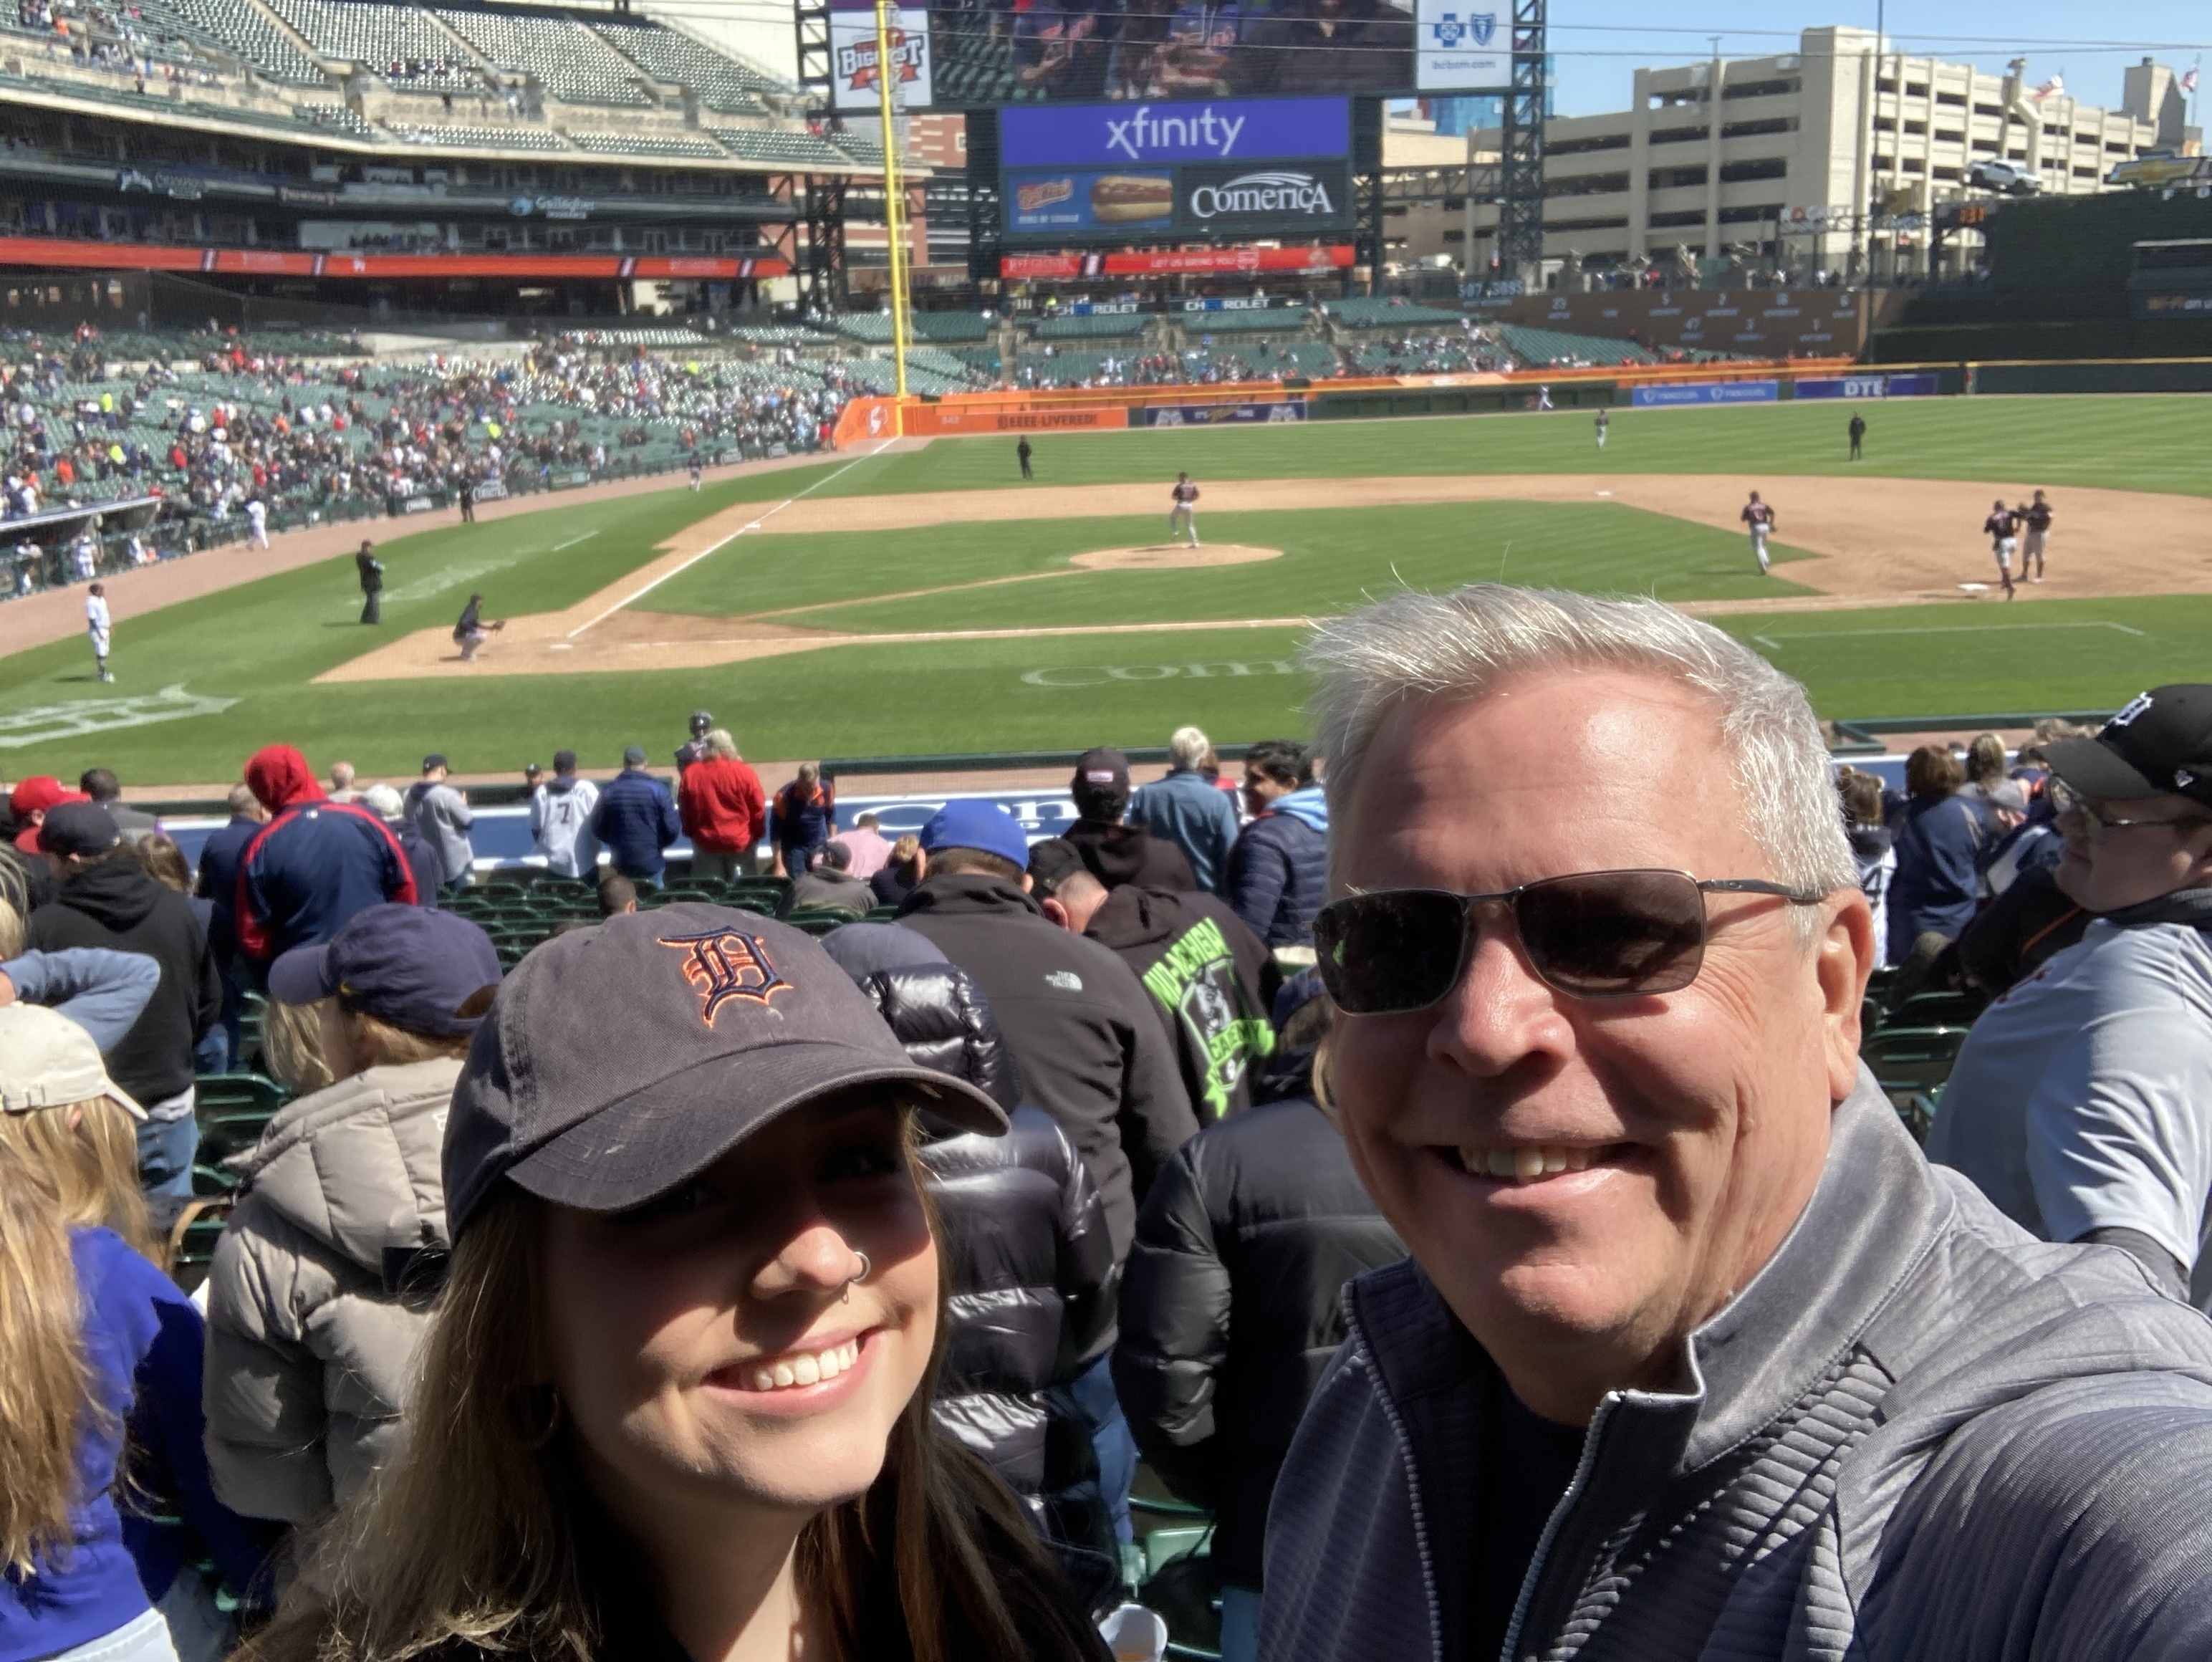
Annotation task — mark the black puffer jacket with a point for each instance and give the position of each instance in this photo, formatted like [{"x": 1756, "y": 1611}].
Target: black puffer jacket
[
  {"x": 1232, "y": 1306},
  {"x": 1030, "y": 1265}
]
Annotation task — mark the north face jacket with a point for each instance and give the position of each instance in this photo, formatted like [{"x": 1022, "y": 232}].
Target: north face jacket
[
  {"x": 115, "y": 904},
  {"x": 1232, "y": 1304},
  {"x": 1918, "y": 1434},
  {"x": 1211, "y": 980},
  {"x": 1089, "y": 1045},
  {"x": 321, "y": 1287}
]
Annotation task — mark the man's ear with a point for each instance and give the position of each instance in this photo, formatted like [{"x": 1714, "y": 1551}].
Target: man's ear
[
  {"x": 1052, "y": 909},
  {"x": 1844, "y": 960}
]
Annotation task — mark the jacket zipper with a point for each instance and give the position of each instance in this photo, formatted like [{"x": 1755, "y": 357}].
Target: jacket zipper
[
  {"x": 1413, "y": 1482},
  {"x": 1551, "y": 1535}
]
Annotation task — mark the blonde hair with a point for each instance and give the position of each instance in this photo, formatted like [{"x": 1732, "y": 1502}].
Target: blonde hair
[
  {"x": 1189, "y": 747},
  {"x": 86, "y": 1155},
  {"x": 482, "y": 1531},
  {"x": 11, "y": 931},
  {"x": 375, "y": 1042},
  {"x": 46, "y": 1380},
  {"x": 718, "y": 743},
  {"x": 292, "y": 1046}
]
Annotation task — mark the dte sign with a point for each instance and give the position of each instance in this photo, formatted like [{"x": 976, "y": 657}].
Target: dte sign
[{"x": 1099, "y": 675}]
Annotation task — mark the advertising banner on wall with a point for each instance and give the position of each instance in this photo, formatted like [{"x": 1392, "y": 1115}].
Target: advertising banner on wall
[
  {"x": 1217, "y": 414},
  {"x": 1706, "y": 392},
  {"x": 1117, "y": 173},
  {"x": 1459, "y": 48},
  {"x": 1869, "y": 387},
  {"x": 1176, "y": 262},
  {"x": 853, "y": 57}
]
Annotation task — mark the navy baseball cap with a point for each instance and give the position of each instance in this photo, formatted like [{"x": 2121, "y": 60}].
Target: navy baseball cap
[
  {"x": 423, "y": 971},
  {"x": 1103, "y": 768},
  {"x": 633, "y": 756},
  {"x": 975, "y": 824},
  {"x": 435, "y": 759},
  {"x": 623, "y": 1060},
  {"x": 80, "y": 828},
  {"x": 2161, "y": 742}
]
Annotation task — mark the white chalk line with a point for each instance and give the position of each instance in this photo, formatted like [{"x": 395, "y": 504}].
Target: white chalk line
[
  {"x": 753, "y": 525},
  {"x": 573, "y": 541},
  {"x": 1773, "y": 642}
]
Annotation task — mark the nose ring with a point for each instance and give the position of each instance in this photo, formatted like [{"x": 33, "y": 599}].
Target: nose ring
[{"x": 854, "y": 1280}]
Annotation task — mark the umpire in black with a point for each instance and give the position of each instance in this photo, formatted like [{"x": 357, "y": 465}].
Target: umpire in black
[{"x": 372, "y": 583}]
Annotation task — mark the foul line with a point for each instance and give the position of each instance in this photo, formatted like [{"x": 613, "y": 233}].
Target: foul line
[
  {"x": 1773, "y": 642},
  {"x": 751, "y": 525},
  {"x": 573, "y": 541}
]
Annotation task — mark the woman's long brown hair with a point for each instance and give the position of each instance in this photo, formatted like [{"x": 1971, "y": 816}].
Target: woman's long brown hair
[
  {"x": 45, "y": 1379},
  {"x": 481, "y": 1533}
]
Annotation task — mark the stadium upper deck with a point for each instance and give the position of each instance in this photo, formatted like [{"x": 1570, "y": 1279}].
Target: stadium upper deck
[{"x": 357, "y": 78}]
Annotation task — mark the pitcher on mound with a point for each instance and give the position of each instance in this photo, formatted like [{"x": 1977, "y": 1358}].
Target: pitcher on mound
[{"x": 1184, "y": 514}]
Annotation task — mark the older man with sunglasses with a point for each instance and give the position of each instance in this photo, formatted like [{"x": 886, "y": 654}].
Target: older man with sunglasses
[
  {"x": 1695, "y": 1357},
  {"x": 2081, "y": 1103}
]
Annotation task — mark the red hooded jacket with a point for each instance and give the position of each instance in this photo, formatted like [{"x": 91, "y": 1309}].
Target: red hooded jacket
[{"x": 314, "y": 864}]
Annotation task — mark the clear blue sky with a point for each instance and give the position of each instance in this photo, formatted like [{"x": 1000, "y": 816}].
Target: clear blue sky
[{"x": 1598, "y": 43}]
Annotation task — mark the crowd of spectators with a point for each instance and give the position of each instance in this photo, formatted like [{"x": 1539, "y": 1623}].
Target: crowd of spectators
[{"x": 1396, "y": 1164}]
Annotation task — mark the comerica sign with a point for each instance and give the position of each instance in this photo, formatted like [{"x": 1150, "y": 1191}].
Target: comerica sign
[{"x": 1276, "y": 195}]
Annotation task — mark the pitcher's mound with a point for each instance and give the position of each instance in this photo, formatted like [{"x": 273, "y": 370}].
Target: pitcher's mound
[{"x": 1172, "y": 557}]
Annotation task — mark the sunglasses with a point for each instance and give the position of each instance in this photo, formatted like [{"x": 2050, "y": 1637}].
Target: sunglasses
[
  {"x": 1589, "y": 935},
  {"x": 2095, "y": 821}
]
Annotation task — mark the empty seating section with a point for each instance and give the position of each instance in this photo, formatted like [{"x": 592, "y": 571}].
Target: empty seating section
[
  {"x": 1543, "y": 348},
  {"x": 569, "y": 60},
  {"x": 668, "y": 145},
  {"x": 241, "y": 27},
  {"x": 1381, "y": 312},
  {"x": 1118, "y": 325},
  {"x": 785, "y": 148},
  {"x": 483, "y": 138},
  {"x": 335, "y": 118},
  {"x": 939, "y": 328},
  {"x": 722, "y": 83},
  {"x": 401, "y": 42},
  {"x": 1286, "y": 321},
  {"x": 972, "y": 66}
]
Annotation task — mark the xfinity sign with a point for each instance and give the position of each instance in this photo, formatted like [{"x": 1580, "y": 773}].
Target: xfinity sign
[{"x": 1215, "y": 129}]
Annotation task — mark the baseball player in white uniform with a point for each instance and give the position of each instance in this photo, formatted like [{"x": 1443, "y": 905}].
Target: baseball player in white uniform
[
  {"x": 1184, "y": 515},
  {"x": 257, "y": 517},
  {"x": 101, "y": 627}
]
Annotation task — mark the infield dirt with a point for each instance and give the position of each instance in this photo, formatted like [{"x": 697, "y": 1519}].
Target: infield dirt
[{"x": 1874, "y": 541}]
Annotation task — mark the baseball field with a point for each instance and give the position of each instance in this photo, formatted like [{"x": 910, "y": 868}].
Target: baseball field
[{"x": 922, "y": 598}]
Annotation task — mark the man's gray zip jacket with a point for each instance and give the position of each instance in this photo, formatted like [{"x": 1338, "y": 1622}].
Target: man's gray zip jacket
[{"x": 1919, "y": 1433}]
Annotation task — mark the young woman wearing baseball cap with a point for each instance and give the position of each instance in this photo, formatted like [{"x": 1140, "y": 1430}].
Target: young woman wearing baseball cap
[{"x": 676, "y": 1402}]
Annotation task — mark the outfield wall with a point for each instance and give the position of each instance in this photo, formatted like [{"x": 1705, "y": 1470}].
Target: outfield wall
[{"x": 1110, "y": 409}]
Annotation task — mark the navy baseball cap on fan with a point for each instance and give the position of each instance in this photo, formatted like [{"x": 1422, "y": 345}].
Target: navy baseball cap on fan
[
  {"x": 432, "y": 761},
  {"x": 84, "y": 829},
  {"x": 974, "y": 825},
  {"x": 2161, "y": 742},
  {"x": 633, "y": 756},
  {"x": 422, "y": 972},
  {"x": 621, "y": 1060}
]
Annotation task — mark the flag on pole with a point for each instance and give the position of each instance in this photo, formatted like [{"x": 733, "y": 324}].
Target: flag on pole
[
  {"x": 2050, "y": 88},
  {"x": 2189, "y": 81}
]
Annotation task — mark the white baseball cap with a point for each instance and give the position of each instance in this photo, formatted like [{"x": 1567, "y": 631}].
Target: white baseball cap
[{"x": 46, "y": 1061}]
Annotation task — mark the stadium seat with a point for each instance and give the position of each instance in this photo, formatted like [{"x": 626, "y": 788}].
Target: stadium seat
[
  {"x": 193, "y": 1240},
  {"x": 1911, "y": 1064}
]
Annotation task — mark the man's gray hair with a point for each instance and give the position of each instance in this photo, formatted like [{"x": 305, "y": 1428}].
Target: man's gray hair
[
  {"x": 1415, "y": 646},
  {"x": 719, "y": 744},
  {"x": 1187, "y": 748}
]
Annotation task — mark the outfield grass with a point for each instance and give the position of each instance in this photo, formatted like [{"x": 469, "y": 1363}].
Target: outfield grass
[
  {"x": 2151, "y": 442},
  {"x": 1332, "y": 558}
]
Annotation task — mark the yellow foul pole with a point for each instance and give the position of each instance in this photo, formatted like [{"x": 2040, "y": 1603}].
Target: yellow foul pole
[{"x": 894, "y": 199}]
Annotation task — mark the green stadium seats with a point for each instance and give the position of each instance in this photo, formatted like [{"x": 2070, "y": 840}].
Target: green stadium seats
[
  {"x": 1911, "y": 1064},
  {"x": 193, "y": 1240}
]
